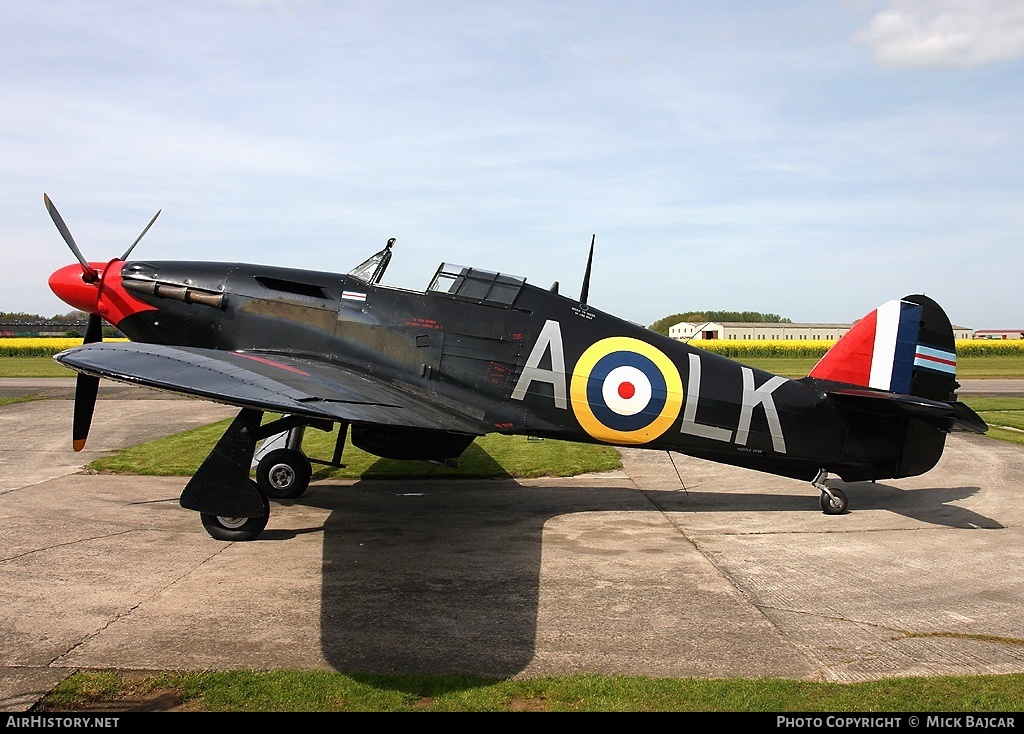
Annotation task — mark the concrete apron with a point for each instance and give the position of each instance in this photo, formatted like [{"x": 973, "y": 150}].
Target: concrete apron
[{"x": 725, "y": 573}]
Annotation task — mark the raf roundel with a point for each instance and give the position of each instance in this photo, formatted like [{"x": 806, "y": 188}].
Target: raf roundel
[{"x": 625, "y": 391}]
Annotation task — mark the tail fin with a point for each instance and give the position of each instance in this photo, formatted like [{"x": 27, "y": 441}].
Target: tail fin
[
  {"x": 905, "y": 347},
  {"x": 896, "y": 370}
]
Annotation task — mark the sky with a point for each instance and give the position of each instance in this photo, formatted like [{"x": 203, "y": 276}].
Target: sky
[{"x": 811, "y": 159}]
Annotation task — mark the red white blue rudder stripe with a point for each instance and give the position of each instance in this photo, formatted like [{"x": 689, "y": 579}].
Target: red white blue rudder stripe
[
  {"x": 903, "y": 346},
  {"x": 892, "y": 358}
]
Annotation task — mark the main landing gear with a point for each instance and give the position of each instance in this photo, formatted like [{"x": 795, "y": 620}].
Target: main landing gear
[
  {"x": 230, "y": 504},
  {"x": 282, "y": 470},
  {"x": 236, "y": 528},
  {"x": 833, "y": 501},
  {"x": 284, "y": 473}
]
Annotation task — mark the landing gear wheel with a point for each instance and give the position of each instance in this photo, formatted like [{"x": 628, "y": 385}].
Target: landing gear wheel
[
  {"x": 236, "y": 528},
  {"x": 834, "y": 505},
  {"x": 284, "y": 473}
]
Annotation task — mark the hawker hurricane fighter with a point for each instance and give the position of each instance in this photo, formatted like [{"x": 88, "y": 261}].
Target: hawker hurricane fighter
[{"x": 419, "y": 375}]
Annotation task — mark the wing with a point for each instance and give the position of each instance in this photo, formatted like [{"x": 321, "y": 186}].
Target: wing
[{"x": 276, "y": 383}]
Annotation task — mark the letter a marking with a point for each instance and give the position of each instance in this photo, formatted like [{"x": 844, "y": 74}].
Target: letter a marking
[{"x": 550, "y": 338}]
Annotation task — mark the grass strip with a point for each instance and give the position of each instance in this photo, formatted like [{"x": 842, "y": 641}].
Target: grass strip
[
  {"x": 255, "y": 691},
  {"x": 488, "y": 457}
]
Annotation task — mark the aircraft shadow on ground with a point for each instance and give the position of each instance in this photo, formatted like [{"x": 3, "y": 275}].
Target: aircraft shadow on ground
[
  {"x": 443, "y": 576},
  {"x": 929, "y": 505}
]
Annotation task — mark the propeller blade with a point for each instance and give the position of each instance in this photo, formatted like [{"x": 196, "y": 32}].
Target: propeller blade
[
  {"x": 86, "y": 387},
  {"x": 90, "y": 274},
  {"x": 93, "y": 330},
  {"x": 129, "y": 250}
]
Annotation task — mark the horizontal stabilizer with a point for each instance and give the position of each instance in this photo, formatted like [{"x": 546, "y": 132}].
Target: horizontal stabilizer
[
  {"x": 968, "y": 420},
  {"x": 947, "y": 416}
]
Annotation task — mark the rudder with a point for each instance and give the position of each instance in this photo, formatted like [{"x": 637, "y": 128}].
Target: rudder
[{"x": 904, "y": 346}]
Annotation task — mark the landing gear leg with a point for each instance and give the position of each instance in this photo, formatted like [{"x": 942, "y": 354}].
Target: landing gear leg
[
  {"x": 230, "y": 504},
  {"x": 833, "y": 501}
]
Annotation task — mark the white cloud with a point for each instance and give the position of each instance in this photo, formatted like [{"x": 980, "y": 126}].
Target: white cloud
[{"x": 946, "y": 33}]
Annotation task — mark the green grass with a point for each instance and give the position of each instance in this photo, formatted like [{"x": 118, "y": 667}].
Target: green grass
[
  {"x": 1005, "y": 434},
  {"x": 20, "y": 399},
  {"x": 489, "y": 456},
  {"x": 984, "y": 368},
  {"x": 324, "y": 691},
  {"x": 1005, "y": 417},
  {"x": 32, "y": 367},
  {"x": 794, "y": 367}
]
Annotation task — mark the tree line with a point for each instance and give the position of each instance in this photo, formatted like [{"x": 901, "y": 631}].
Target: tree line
[{"x": 71, "y": 317}]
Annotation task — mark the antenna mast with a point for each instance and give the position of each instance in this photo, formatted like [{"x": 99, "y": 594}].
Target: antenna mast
[{"x": 586, "y": 276}]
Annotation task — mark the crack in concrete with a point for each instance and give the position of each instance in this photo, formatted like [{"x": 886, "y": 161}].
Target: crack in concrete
[{"x": 120, "y": 616}]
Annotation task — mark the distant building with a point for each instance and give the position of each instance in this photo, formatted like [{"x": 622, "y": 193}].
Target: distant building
[
  {"x": 754, "y": 331},
  {"x": 999, "y": 334}
]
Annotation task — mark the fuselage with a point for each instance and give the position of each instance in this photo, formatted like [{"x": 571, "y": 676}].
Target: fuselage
[{"x": 524, "y": 359}]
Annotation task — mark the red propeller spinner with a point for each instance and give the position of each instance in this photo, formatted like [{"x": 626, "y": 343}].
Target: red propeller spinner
[{"x": 75, "y": 287}]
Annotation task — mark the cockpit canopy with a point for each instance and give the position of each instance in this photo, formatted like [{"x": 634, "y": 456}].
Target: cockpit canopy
[
  {"x": 478, "y": 286},
  {"x": 453, "y": 281}
]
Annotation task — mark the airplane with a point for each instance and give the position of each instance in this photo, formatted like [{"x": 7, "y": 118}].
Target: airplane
[{"x": 419, "y": 375}]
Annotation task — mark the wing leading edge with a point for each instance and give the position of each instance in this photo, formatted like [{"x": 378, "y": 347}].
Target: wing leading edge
[{"x": 272, "y": 382}]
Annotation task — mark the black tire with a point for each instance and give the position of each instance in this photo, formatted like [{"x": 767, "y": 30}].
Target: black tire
[
  {"x": 237, "y": 528},
  {"x": 284, "y": 473},
  {"x": 835, "y": 505}
]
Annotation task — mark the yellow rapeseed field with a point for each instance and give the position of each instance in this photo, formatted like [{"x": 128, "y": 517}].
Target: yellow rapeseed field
[
  {"x": 32, "y": 346},
  {"x": 741, "y": 348},
  {"x": 990, "y": 347}
]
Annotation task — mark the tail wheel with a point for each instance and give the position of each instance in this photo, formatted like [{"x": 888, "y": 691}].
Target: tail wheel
[
  {"x": 284, "y": 473},
  {"x": 237, "y": 528},
  {"x": 834, "y": 505}
]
